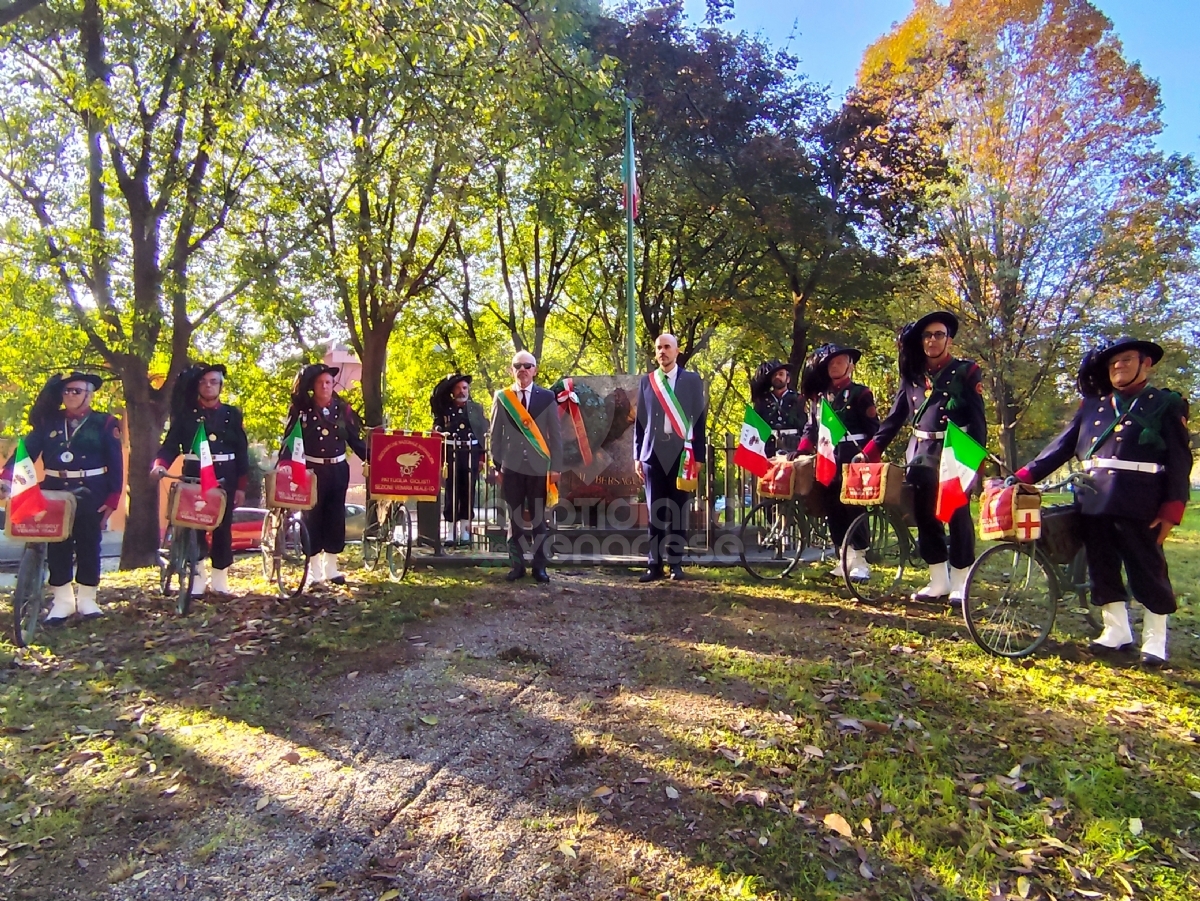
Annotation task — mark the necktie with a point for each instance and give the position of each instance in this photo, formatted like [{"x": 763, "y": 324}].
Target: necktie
[{"x": 525, "y": 399}]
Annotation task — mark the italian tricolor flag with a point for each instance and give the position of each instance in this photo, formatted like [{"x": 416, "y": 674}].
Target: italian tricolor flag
[
  {"x": 295, "y": 467},
  {"x": 27, "y": 500},
  {"x": 751, "y": 453},
  {"x": 208, "y": 475},
  {"x": 962, "y": 456},
  {"x": 830, "y": 433}
]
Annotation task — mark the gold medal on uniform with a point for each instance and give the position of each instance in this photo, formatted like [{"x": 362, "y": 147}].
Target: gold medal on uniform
[
  {"x": 1118, "y": 428},
  {"x": 212, "y": 437},
  {"x": 66, "y": 456},
  {"x": 324, "y": 431}
]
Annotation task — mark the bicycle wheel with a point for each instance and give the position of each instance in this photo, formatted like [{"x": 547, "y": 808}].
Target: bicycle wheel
[
  {"x": 399, "y": 547},
  {"x": 1077, "y": 585},
  {"x": 291, "y": 553},
  {"x": 187, "y": 561},
  {"x": 266, "y": 543},
  {"x": 1010, "y": 601},
  {"x": 374, "y": 536},
  {"x": 29, "y": 596},
  {"x": 771, "y": 539},
  {"x": 887, "y": 551}
]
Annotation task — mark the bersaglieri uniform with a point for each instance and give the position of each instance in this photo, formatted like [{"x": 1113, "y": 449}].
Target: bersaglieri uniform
[
  {"x": 222, "y": 424},
  {"x": 328, "y": 431},
  {"x": 1135, "y": 446},
  {"x": 784, "y": 413},
  {"x": 82, "y": 453}
]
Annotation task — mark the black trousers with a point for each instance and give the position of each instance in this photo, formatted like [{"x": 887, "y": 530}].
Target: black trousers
[
  {"x": 1111, "y": 541},
  {"x": 78, "y": 558},
  {"x": 525, "y": 497},
  {"x": 931, "y": 531},
  {"x": 459, "y": 491},
  {"x": 668, "y": 512},
  {"x": 220, "y": 540},
  {"x": 326, "y": 522}
]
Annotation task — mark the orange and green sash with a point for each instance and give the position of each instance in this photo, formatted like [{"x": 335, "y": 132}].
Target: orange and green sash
[
  {"x": 511, "y": 401},
  {"x": 688, "y": 476}
]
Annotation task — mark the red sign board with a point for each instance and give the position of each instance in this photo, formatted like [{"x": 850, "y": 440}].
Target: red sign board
[
  {"x": 187, "y": 507},
  {"x": 404, "y": 465},
  {"x": 51, "y": 525}
]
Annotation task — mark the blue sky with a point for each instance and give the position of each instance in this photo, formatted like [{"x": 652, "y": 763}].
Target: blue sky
[{"x": 829, "y": 38}]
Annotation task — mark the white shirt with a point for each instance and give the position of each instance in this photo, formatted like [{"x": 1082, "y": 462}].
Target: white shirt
[{"x": 671, "y": 377}]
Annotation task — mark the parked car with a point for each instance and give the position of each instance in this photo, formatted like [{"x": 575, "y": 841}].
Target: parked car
[{"x": 247, "y": 525}]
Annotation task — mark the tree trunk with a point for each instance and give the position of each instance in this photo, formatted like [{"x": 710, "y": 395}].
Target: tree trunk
[
  {"x": 374, "y": 367},
  {"x": 1007, "y": 411},
  {"x": 799, "y": 335},
  {"x": 145, "y": 426}
]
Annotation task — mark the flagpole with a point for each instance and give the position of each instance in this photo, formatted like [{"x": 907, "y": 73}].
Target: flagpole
[{"x": 630, "y": 328}]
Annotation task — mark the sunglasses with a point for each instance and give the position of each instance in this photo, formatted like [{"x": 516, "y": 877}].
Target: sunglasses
[
  {"x": 934, "y": 336},
  {"x": 524, "y": 365},
  {"x": 76, "y": 390}
]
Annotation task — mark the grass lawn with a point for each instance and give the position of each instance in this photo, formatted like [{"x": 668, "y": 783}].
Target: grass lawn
[{"x": 753, "y": 741}]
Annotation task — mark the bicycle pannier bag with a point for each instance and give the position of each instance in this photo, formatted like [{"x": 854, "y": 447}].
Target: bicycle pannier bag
[
  {"x": 866, "y": 484},
  {"x": 779, "y": 482},
  {"x": 288, "y": 494},
  {"x": 1010, "y": 512},
  {"x": 1061, "y": 538},
  {"x": 50, "y": 525},
  {"x": 187, "y": 507},
  {"x": 805, "y": 468}
]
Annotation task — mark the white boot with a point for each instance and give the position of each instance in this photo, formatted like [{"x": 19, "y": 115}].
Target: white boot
[
  {"x": 200, "y": 579},
  {"x": 860, "y": 569},
  {"x": 939, "y": 583},
  {"x": 64, "y": 605},
  {"x": 839, "y": 571},
  {"x": 1154, "y": 638},
  {"x": 958, "y": 585},
  {"x": 332, "y": 574},
  {"x": 316, "y": 568},
  {"x": 464, "y": 535},
  {"x": 1117, "y": 636},
  {"x": 86, "y": 604},
  {"x": 219, "y": 580}
]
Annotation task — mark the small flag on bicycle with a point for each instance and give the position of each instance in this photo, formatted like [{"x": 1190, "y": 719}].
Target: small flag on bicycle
[
  {"x": 962, "y": 456},
  {"x": 26, "y": 500},
  {"x": 208, "y": 475},
  {"x": 751, "y": 453},
  {"x": 830, "y": 433},
  {"x": 295, "y": 466}
]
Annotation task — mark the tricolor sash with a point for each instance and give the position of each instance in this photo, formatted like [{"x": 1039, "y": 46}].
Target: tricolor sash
[
  {"x": 688, "y": 476},
  {"x": 511, "y": 401}
]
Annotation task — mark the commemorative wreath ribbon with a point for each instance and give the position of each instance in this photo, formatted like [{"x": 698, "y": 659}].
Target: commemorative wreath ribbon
[
  {"x": 688, "y": 476},
  {"x": 570, "y": 401}
]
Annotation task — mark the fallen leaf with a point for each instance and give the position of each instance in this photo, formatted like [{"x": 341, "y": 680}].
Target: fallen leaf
[
  {"x": 429, "y": 720},
  {"x": 568, "y": 849},
  {"x": 327, "y": 886},
  {"x": 813, "y": 751},
  {"x": 1023, "y": 886},
  {"x": 867, "y": 826},
  {"x": 837, "y": 823},
  {"x": 758, "y": 797},
  {"x": 602, "y": 792},
  {"x": 262, "y": 802},
  {"x": 390, "y": 895},
  {"x": 353, "y": 675},
  {"x": 672, "y": 792},
  {"x": 1135, "y": 825},
  {"x": 865, "y": 871},
  {"x": 291, "y": 757}
]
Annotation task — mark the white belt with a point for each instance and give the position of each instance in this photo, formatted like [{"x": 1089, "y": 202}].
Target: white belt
[
  {"x": 1113, "y": 463},
  {"x": 855, "y": 437},
  {"x": 928, "y": 436},
  {"x": 217, "y": 458},
  {"x": 326, "y": 460},
  {"x": 76, "y": 473}
]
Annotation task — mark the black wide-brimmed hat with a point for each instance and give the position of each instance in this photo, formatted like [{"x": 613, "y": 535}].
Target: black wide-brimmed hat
[
  {"x": 90, "y": 377},
  {"x": 761, "y": 383},
  {"x": 304, "y": 381},
  {"x": 815, "y": 377},
  {"x": 911, "y": 348},
  {"x": 1093, "y": 377},
  {"x": 202, "y": 369},
  {"x": 439, "y": 400}
]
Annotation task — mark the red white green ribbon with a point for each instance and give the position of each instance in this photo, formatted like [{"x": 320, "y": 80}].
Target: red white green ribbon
[
  {"x": 689, "y": 470},
  {"x": 570, "y": 400}
]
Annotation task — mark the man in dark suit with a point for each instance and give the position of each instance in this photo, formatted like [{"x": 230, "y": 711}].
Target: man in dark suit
[
  {"x": 527, "y": 452},
  {"x": 1133, "y": 439},
  {"x": 669, "y": 447}
]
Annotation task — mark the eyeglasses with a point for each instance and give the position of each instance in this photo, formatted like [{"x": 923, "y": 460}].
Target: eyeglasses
[
  {"x": 524, "y": 365},
  {"x": 934, "y": 336},
  {"x": 76, "y": 390}
]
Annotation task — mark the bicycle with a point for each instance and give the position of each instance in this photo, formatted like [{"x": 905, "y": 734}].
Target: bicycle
[
  {"x": 286, "y": 550},
  {"x": 178, "y": 567},
  {"x": 1014, "y": 590},
  {"x": 890, "y": 550},
  {"x": 388, "y": 537},
  {"x": 30, "y": 595}
]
